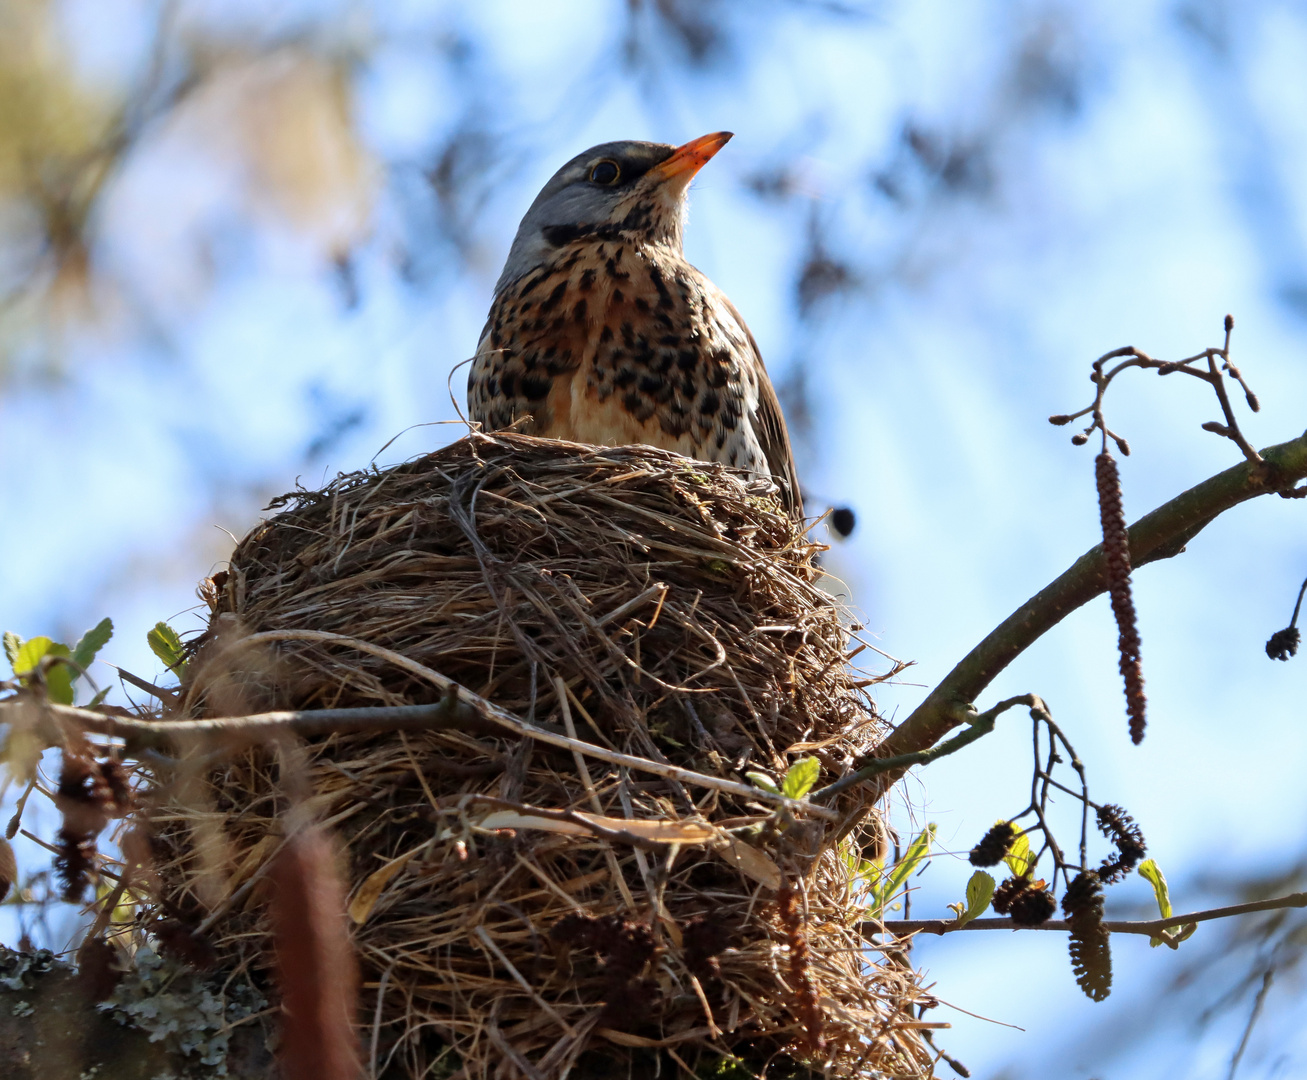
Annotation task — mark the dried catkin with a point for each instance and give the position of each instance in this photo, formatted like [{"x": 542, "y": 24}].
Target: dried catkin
[
  {"x": 993, "y": 845},
  {"x": 805, "y": 994},
  {"x": 1028, "y": 902},
  {"x": 1120, "y": 828},
  {"x": 1032, "y": 907},
  {"x": 1091, "y": 954},
  {"x": 84, "y": 802},
  {"x": 1116, "y": 551}
]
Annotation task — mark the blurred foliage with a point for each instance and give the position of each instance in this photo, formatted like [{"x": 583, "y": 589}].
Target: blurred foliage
[
  {"x": 270, "y": 106},
  {"x": 279, "y": 112},
  {"x": 53, "y": 135},
  {"x": 43, "y": 659},
  {"x": 166, "y": 644}
]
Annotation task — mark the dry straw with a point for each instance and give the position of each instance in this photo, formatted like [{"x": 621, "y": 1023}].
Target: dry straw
[{"x": 584, "y": 905}]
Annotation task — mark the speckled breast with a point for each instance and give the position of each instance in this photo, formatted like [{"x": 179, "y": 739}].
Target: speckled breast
[{"x": 614, "y": 343}]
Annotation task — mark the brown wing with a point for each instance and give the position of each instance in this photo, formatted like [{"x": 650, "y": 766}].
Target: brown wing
[{"x": 770, "y": 425}]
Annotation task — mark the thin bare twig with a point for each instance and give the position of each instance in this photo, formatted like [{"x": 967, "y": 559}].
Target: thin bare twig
[
  {"x": 1258, "y": 1003},
  {"x": 1214, "y": 376},
  {"x": 980, "y": 724}
]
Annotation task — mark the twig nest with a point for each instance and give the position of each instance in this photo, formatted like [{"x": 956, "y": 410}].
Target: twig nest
[{"x": 525, "y": 907}]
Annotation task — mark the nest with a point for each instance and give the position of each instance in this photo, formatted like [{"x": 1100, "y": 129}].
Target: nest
[{"x": 521, "y": 909}]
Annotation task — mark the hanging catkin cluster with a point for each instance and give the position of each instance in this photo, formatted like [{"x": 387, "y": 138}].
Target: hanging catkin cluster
[
  {"x": 993, "y": 845},
  {"x": 1120, "y": 828},
  {"x": 1116, "y": 550},
  {"x": 90, "y": 792},
  {"x": 1028, "y": 902},
  {"x": 805, "y": 994},
  {"x": 1091, "y": 955}
]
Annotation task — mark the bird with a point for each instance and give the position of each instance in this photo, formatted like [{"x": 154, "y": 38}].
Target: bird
[{"x": 601, "y": 332}]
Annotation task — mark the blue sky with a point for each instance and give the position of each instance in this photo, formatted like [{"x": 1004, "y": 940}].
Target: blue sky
[{"x": 1160, "y": 187}]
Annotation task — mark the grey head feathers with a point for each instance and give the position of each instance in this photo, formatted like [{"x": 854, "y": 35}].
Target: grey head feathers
[{"x": 603, "y": 191}]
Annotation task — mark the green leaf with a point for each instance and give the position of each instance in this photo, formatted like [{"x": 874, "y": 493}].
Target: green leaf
[
  {"x": 980, "y": 890},
  {"x": 58, "y": 677},
  {"x": 800, "y": 777},
  {"x": 1172, "y": 936},
  {"x": 12, "y": 644},
  {"x": 1150, "y": 870},
  {"x": 92, "y": 642},
  {"x": 167, "y": 646},
  {"x": 1019, "y": 858},
  {"x": 763, "y": 781},
  {"x": 890, "y": 884},
  {"x": 872, "y": 871},
  {"x": 29, "y": 654}
]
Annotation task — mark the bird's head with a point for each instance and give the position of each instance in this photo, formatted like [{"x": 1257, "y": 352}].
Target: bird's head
[{"x": 633, "y": 190}]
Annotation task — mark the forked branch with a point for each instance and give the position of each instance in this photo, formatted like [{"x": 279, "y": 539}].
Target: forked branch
[{"x": 1160, "y": 534}]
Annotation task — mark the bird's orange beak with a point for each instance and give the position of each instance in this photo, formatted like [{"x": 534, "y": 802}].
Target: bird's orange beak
[{"x": 689, "y": 159}]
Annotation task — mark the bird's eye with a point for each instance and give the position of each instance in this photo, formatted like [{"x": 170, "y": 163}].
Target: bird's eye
[{"x": 605, "y": 172}]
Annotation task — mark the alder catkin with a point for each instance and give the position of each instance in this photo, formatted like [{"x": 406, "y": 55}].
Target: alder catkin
[
  {"x": 1284, "y": 643},
  {"x": 1120, "y": 828},
  {"x": 1006, "y": 894},
  {"x": 1116, "y": 552},
  {"x": 1032, "y": 907},
  {"x": 1091, "y": 954},
  {"x": 993, "y": 845},
  {"x": 806, "y": 1008},
  {"x": 83, "y": 801}
]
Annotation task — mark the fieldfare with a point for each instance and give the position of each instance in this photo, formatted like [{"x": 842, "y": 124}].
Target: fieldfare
[{"x": 601, "y": 332}]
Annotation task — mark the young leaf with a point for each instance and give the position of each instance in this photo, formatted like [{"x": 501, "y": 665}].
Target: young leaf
[
  {"x": 917, "y": 851},
  {"x": 1172, "y": 936},
  {"x": 12, "y": 644},
  {"x": 800, "y": 777},
  {"x": 871, "y": 872},
  {"x": 763, "y": 781},
  {"x": 58, "y": 677},
  {"x": 29, "y": 654},
  {"x": 167, "y": 646},
  {"x": 1019, "y": 858},
  {"x": 1150, "y": 870},
  {"x": 92, "y": 642},
  {"x": 980, "y": 890}
]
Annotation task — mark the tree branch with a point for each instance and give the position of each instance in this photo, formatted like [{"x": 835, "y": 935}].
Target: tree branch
[
  {"x": 1160, "y": 534},
  {"x": 1151, "y": 927},
  {"x": 454, "y": 709},
  {"x": 978, "y": 725}
]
